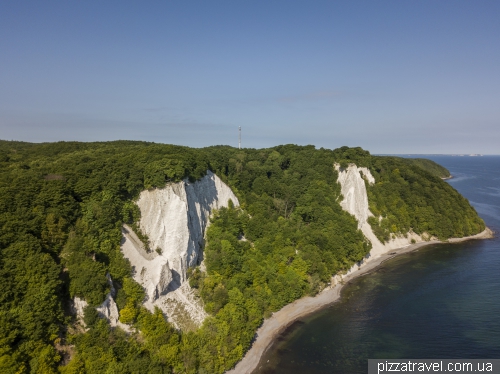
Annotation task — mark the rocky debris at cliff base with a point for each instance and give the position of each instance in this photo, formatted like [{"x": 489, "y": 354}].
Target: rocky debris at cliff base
[
  {"x": 184, "y": 308},
  {"x": 273, "y": 326},
  {"x": 353, "y": 189},
  {"x": 174, "y": 219}
]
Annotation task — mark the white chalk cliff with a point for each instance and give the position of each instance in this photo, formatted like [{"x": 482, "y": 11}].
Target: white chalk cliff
[
  {"x": 354, "y": 191},
  {"x": 353, "y": 188},
  {"x": 175, "y": 219},
  {"x": 108, "y": 309}
]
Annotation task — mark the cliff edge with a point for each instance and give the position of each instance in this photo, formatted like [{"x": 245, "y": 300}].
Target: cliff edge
[
  {"x": 175, "y": 219},
  {"x": 353, "y": 188}
]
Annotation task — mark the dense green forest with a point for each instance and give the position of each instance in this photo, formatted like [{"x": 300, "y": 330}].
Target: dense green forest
[
  {"x": 62, "y": 206},
  {"x": 432, "y": 167}
]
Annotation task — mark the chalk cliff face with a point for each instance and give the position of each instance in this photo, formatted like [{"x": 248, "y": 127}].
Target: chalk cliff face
[
  {"x": 78, "y": 308},
  {"x": 108, "y": 309},
  {"x": 354, "y": 191},
  {"x": 174, "y": 218},
  {"x": 353, "y": 188},
  {"x": 151, "y": 270}
]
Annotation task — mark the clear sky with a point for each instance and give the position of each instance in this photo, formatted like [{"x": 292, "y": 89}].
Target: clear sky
[{"x": 389, "y": 76}]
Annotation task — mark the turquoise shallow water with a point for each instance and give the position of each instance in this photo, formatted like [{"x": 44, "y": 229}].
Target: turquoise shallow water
[{"x": 442, "y": 301}]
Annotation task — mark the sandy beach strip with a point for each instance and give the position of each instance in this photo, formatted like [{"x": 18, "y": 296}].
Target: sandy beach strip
[{"x": 283, "y": 318}]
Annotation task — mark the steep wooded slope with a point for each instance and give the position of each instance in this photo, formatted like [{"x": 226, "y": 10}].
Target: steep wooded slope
[{"x": 62, "y": 210}]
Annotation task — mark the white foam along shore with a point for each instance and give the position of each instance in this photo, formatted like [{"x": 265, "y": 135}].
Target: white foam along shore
[{"x": 279, "y": 321}]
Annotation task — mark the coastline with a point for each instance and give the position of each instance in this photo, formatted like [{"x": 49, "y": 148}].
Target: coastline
[{"x": 280, "y": 320}]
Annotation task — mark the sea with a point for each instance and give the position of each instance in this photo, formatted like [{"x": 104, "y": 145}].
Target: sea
[{"x": 442, "y": 301}]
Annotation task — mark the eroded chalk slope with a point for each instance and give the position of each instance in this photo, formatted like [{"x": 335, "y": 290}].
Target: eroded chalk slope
[
  {"x": 353, "y": 188},
  {"x": 175, "y": 219}
]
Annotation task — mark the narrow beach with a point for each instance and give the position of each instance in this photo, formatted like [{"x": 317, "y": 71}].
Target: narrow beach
[{"x": 280, "y": 320}]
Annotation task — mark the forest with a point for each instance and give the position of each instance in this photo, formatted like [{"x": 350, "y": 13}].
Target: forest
[
  {"x": 431, "y": 167},
  {"x": 62, "y": 207}
]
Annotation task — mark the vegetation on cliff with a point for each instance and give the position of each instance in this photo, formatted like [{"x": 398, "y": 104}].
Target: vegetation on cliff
[
  {"x": 407, "y": 197},
  {"x": 62, "y": 206},
  {"x": 430, "y": 166}
]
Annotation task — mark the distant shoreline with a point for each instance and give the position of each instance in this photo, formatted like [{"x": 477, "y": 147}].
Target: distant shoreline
[
  {"x": 283, "y": 318},
  {"x": 446, "y": 178}
]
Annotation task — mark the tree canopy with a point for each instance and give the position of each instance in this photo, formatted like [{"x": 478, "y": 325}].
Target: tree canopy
[{"x": 62, "y": 206}]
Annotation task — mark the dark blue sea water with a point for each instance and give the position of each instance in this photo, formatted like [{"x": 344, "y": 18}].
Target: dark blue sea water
[{"x": 442, "y": 301}]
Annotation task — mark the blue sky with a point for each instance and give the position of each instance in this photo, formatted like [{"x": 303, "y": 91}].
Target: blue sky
[{"x": 389, "y": 76}]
